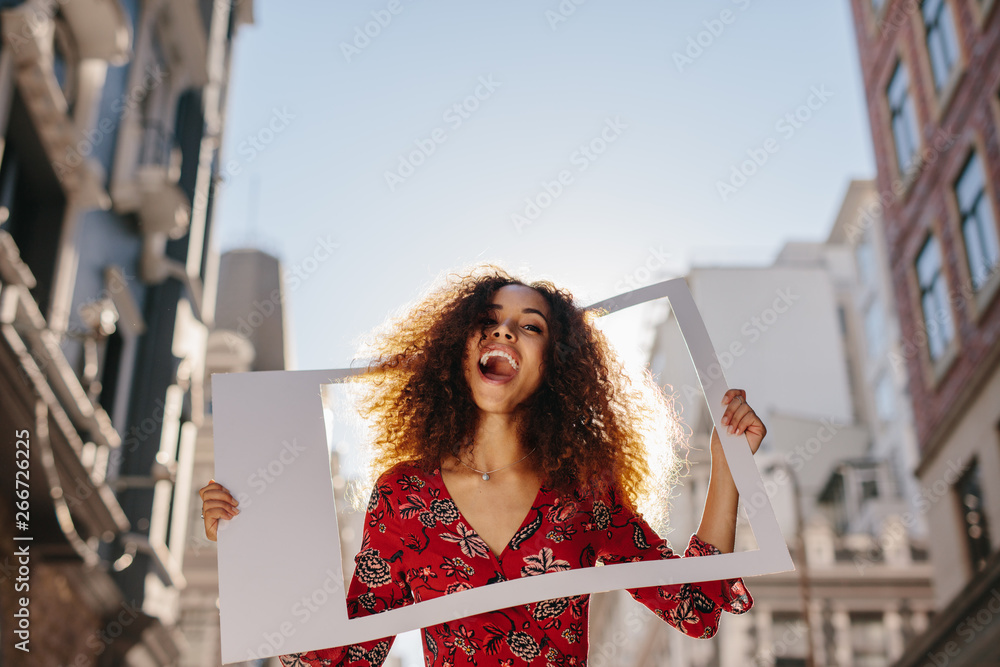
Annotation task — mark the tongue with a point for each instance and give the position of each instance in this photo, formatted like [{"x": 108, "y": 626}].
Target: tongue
[{"x": 498, "y": 368}]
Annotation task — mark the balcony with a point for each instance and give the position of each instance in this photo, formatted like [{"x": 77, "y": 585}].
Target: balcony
[
  {"x": 31, "y": 35},
  {"x": 73, "y": 433},
  {"x": 184, "y": 37},
  {"x": 100, "y": 29},
  {"x": 162, "y": 206}
]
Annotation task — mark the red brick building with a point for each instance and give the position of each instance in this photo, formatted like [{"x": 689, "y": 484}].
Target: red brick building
[{"x": 931, "y": 72}]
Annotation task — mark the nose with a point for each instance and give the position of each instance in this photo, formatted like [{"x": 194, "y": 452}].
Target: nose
[{"x": 503, "y": 327}]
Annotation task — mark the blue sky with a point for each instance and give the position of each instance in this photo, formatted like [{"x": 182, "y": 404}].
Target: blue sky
[
  {"x": 603, "y": 101},
  {"x": 667, "y": 96}
]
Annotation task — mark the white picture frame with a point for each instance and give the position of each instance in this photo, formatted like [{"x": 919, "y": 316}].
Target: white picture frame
[{"x": 281, "y": 583}]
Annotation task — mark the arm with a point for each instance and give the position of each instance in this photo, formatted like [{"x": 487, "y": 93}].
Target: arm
[
  {"x": 378, "y": 584},
  {"x": 693, "y": 608},
  {"x": 718, "y": 519}
]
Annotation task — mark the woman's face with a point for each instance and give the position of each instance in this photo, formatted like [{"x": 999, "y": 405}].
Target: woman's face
[{"x": 505, "y": 368}]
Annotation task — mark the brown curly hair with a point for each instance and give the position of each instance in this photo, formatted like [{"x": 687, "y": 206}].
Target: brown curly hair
[{"x": 588, "y": 421}]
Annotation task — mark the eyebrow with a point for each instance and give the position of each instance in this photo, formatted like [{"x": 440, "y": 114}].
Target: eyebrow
[{"x": 497, "y": 306}]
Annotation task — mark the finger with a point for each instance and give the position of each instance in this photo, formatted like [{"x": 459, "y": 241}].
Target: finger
[
  {"x": 732, "y": 404},
  {"x": 218, "y": 506},
  {"x": 211, "y": 486},
  {"x": 746, "y": 421},
  {"x": 220, "y": 494},
  {"x": 210, "y": 505},
  {"x": 737, "y": 416},
  {"x": 733, "y": 412}
]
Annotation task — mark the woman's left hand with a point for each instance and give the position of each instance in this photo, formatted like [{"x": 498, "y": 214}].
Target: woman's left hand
[{"x": 739, "y": 418}]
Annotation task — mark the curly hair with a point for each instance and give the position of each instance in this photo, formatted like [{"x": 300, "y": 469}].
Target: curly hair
[{"x": 589, "y": 421}]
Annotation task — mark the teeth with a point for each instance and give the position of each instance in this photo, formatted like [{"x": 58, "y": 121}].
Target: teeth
[{"x": 498, "y": 353}]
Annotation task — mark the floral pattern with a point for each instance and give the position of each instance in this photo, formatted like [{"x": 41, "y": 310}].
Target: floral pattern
[{"x": 417, "y": 546}]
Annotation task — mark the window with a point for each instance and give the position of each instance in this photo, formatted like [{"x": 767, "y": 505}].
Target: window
[
  {"x": 32, "y": 201},
  {"x": 874, "y": 330},
  {"x": 902, "y": 117},
  {"x": 865, "y": 255},
  {"x": 934, "y": 299},
  {"x": 790, "y": 640},
  {"x": 942, "y": 41},
  {"x": 970, "y": 500},
  {"x": 978, "y": 226},
  {"x": 885, "y": 398},
  {"x": 868, "y": 645},
  {"x": 866, "y": 479},
  {"x": 900, "y": 471}
]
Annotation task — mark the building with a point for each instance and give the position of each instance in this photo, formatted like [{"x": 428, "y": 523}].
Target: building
[
  {"x": 870, "y": 329},
  {"x": 111, "y": 114},
  {"x": 801, "y": 336},
  {"x": 932, "y": 80}
]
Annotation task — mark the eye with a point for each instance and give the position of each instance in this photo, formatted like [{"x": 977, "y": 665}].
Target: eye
[{"x": 533, "y": 327}]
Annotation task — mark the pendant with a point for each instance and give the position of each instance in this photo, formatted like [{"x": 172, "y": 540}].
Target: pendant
[{"x": 486, "y": 477}]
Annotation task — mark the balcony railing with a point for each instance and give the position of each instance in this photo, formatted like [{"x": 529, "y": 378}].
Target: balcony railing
[{"x": 158, "y": 149}]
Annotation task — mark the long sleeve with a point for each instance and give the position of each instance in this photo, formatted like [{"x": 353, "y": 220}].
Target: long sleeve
[
  {"x": 693, "y": 608},
  {"x": 378, "y": 584}
]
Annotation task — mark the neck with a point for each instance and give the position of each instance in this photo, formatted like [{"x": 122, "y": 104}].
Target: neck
[{"x": 495, "y": 442}]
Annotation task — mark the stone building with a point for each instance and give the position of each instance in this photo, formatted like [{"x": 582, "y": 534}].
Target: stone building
[
  {"x": 932, "y": 79},
  {"x": 111, "y": 114}
]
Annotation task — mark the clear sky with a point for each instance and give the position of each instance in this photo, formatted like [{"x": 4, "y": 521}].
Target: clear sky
[{"x": 642, "y": 108}]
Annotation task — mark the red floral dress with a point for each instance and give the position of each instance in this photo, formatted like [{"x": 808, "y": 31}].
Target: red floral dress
[{"x": 417, "y": 546}]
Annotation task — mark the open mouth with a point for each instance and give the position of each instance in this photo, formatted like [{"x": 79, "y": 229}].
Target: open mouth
[{"x": 498, "y": 365}]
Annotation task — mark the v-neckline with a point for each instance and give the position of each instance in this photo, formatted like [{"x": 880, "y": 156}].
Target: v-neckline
[{"x": 497, "y": 557}]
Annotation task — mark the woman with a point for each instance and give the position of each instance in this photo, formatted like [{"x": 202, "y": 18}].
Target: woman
[{"x": 510, "y": 444}]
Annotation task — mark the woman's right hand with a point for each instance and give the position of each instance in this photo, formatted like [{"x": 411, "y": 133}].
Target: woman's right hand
[{"x": 216, "y": 503}]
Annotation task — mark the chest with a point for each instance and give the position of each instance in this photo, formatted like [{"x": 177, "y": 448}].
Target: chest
[
  {"x": 456, "y": 537},
  {"x": 494, "y": 509}
]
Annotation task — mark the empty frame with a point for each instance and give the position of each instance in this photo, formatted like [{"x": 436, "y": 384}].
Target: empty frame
[{"x": 281, "y": 580}]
